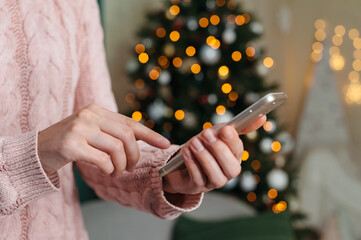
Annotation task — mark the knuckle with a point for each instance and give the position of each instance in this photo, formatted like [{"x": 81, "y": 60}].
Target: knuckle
[
  {"x": 128, "y": 133},
  {"x": 118, "y": 145},
  {"x": 92, "y": 107},
  {"x": 85, "y": 114},
  {"x": 198, "y": 183},
  {"x": 219, "y": 182},
  {"x": 76, "y": 127}
]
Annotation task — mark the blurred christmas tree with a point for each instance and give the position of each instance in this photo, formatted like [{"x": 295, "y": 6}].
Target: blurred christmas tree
[{"x": 198, "y": 65}]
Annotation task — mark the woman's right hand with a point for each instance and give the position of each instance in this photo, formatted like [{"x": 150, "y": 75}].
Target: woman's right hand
[{"x": 95, "y": 135}]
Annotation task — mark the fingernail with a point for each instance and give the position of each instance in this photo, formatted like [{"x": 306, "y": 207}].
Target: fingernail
[
  {"x": 227, "y": 134},
  {"x": 197, "y": 145},
  {"x": 209, "y": 136},
  {"x": 187, "y": 153},
  {"x": 164, "y": 141}
]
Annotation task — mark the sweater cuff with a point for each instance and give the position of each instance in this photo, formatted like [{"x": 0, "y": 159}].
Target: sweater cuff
[
  {"x": 184, "y": 203},
  {"x": 25, "y": 170}
]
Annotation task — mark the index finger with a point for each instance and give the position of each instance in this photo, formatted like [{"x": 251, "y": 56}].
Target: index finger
[{"x": 254, "y": 126}]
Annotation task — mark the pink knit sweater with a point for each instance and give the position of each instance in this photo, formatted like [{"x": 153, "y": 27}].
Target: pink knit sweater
[{"x": 52, "y": 64}]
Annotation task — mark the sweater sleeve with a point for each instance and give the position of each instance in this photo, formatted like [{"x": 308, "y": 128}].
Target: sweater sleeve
[
  {"x": 22, "y": 178},
  {"x": 142, "y": 188}
]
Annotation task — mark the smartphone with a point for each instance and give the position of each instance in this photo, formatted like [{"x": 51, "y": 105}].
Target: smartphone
[{"x": 263, "y": 106}]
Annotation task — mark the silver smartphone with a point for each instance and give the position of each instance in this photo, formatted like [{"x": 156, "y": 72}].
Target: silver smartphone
[{"x": 263, "y": 106}]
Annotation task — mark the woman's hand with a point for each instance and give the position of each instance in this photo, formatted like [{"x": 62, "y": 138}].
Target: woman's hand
[
  {"x": 211, "y": 160},
  {"x": 98, "y": 136}
]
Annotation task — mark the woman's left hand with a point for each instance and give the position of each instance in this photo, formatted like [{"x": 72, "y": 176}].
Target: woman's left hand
[{"x": 211, "y": 160}]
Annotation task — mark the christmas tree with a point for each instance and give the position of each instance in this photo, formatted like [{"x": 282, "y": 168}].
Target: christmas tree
[{"x": 198, "y": 64}]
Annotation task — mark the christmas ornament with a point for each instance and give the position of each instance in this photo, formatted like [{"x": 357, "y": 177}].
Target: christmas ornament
[
  {"x": 209, "y": 55},
  {"x": 227, "y": 116},
  {"x": 277, "y": 179},
  {"x": 164, "y": 77},
  {"x": 266, "y": 145},
  {"x": 247, "y": 182},
  {"x": 156, "y": 110}
]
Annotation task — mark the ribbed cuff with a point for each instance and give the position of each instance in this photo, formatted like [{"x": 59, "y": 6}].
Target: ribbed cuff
[
  {"x": 166, "y": 209},
  {"x": 24, "y": 168}
]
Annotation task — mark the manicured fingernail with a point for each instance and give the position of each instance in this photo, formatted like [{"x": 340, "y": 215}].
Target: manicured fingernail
[
  {"x": 197, "y": 145},
  {"x": 227, "y": 134},
  {"x": 209, "y": 135}
]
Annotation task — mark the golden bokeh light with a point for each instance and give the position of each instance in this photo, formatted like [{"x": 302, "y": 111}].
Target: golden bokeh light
[
  {"x": 240, "y": 20},
  {"x": 153, "y": 74},
  {"x": 276, "y": 146},
  {"x": 356, "y": 65},
  {"x": 340, "y": 30},
  {"x": 316, "y": 57},
  {"x": 272, "y": 193},
  {"x": 282, "y": 206},
  {"x": 247, "y": 17},
  {"x": 353, "y": 93},
  {"x": 139, "y": 83},
  {"x": 167, "y": 126},
  {"x": 203, "y": 22},
  {"x": 231, "y": 18},
  {"x": 236, "y": 56},
  {"x": 357, "y": 54},
  {"x": 226, "y": 88},
  {"x": 250, "y": 51},
  {"x": 179, "y": 115},
  {"x": 337, "y": 40},
  {"x": 337, "y": 62},
  {"x": 320, "y": 35},
  {"x": 174, "y": 36},
  {"x": 207, "y": 125},
  {"x": 216, "y": 44},
  {"x": 334, "y": 50},
  {"x": 210, "y": 39},
  {"x": 353, "y": 34},
  {"x": 251, "y": 197},
  {"x": 160, "y": 32},
  {"x": 190, "y": 51},
  {"x": 245, "y": 155},
  {"x": 137, "y": 116},
  {"x": 233, "y": 96},
  {"x": 223, "y": 72},
  {"x": 177, "y": 62},
  {"x": 139, "y": 48},
  {"x": 268, "y": 62},
  {"x": 215, "y": 19},
  {"x": 354, "y": 77},
  {"x": 220, "y": 3},
  {"x": 220, "y": 110},
  {"x": 163, "y": 61},
  {"x": 268, "y": 126},
  {"x": 195, "y": 68},
  {"x": 320, "y": 24},
  {"x": 317, "y": 47},
  {"x": 143, "y": 57},
  {"x": 357, "y": 43},
  {"x": 174, "y": 10},
  {"x": 130, "y": 98},
  {"x": 256, "y": 165}
]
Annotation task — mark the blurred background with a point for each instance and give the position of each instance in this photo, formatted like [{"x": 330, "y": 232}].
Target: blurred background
[{"x": 301, "y": 177}]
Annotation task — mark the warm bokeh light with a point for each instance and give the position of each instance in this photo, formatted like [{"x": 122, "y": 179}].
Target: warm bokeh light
[
  {"x": 251, "y": 197},
  {"x": 268, "y": 62},
  {"x": 353, "y": 93},
  {"x": 220, "y": 3},
  {"x": 177, "y": 62},
  {"x": 272, "y": 193},
  {"x": 223, "y": 72},
  {"x": 320, "y": 24},
  {"x": 163, "y": 61},
  {"x": 203, "y": 22},
  {"x": 245, "y": 155},
  {"x": 207, "y": 125},
  {"x": 276, "y": 146},
  {"x": 143, "y": 57},
  {"x": 282, "y": 206},
  {"x": 317, "y": 47},
  {"x": 221, "y": 110},
  {"x": 247, "y": 18},
  {"x": 337, "y": 62},
  {"x": 150, "y": 123},
  {"x": 231, "y": 19},
  {"x": 320, "y": 35},
  {"x": 337, "y": 40},
  {"x": 240, "y": 20},
  {"x": 167, "y": 126},
  {"x": 139, "y": 83},
  {"x": 215, "y": 44},
  {"x": 160, "y": 32},
  {"x": 353, "y": 34},
  {"x": 179, "y": 115},
  {"x": 210, "y": 39},
  {"x": 250, "y": 51},
  {"x": 357, "y": 43},
  {"x": 174, "y": 36},
  {"x": 226, "y": 88},
  {"x": 356, "y": 65},
  {"x": 236, "y": 56},
  {"x": 334, "y": 50},
  {"x": 354, "y": 77},
  {"x": 267, "y": 126},
  {"x": 256, "y": 165},
  {"x": 316, "y": 57},
  {"x": 137, "y": 116},
  {"x": 233, "y": 96},
  {"x": 214, "y": 19},
  {"x": 195, "y": 68},
  {"x": 340, "y": 30},
  {"x": 139, "y": 48},
  {"x": 357, "y": 54},
  {"x": 153, "y": 74},
  {"x": 190, "y": 51},
  {"x": 130, "y": 98},
  {"x": 174, "y": 10}
]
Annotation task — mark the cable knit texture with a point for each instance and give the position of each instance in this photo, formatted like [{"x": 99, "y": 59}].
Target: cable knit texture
[{"x": 52, "y": 63}]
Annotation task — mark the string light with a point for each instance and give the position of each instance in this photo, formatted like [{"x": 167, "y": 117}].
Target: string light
[
  {"x": 337, "y": 40},
  {"x": 256, "y": 165},
  {"x": 179, "y": 115},
  {"x": 149, "y": 123},
  {"x": 356, "y": 65},
  {"x": 276, "y": 146},
  {"x": 352, "y": 93},
  {"x": 220, "y": 3},
  {"x": 143, "y": 57},
  {"x": 215, "y": 19},
  {"x": 177, "y": 62},
  {"x": 268, "y": 62},
  {"x": 203, "y": 22},
  {"x": 340, "y": 30},
  {"x": 316, "y": 57},
  {"x": 320, "y": 35},
  {"x": 231, "y": 18},
  {"x": 357, "y": 43},
  {"x": 195, "y": 68},
  {"x": 357, "y": 54},
  {"x": 250, "y": 51},
  {"x": 267, "y": 126},
  {"x": 334, "y": 50},
  {"x": 247, "y": 18},
  {"x": 233, "y": 96},
  {"x": 354, "y": 76},
  {"x": 207, "y": 125},
  {"x": 174, "y": 36},
  {"x": 226, "y": 88},
  {"x": 139, "y": 48},
  {"x": 317, "y": 47},
  {"x": 137, "y": 116},
  {"x": 272, "y": 193},
  {"x": 167, "y": 126},
  {"x": 139, "y": 83},
  {"x": 160, "y": 32},
  {"x": 240, "y": 20},
  {"x": 190, "y": 51},
  {"x": 130, "y": 98},
  {"x": 245, "y": 155},
  {"x": 174, "y": 10},
  {"x": 236, "y": 56},
  {"x": 220, "y": 110},
  {"x": 353, "y": 34},
  {"x": 337, "y": 62},
  {"x": 320, "y": 24},
  {"x": 251, "y": 197},
  {"x": 163, "y": 61},
  {"x": 153, "y": 74},
  {"x": 223, "y": 72}
]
